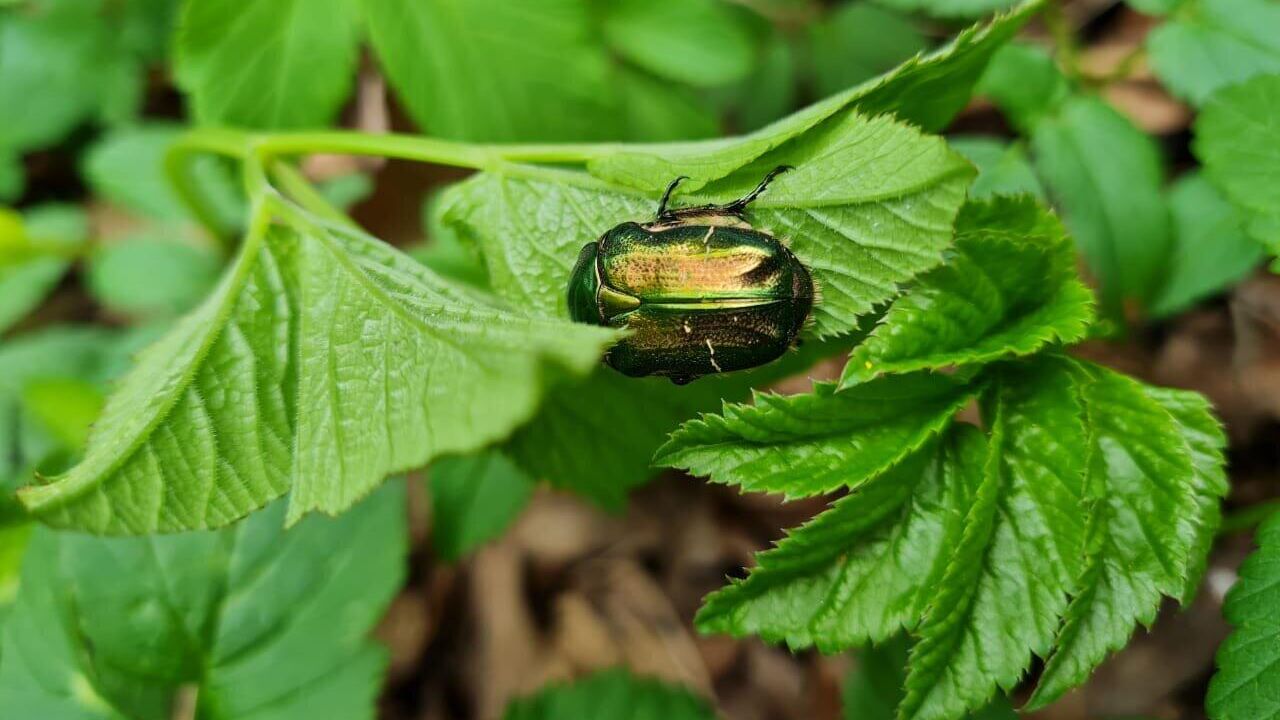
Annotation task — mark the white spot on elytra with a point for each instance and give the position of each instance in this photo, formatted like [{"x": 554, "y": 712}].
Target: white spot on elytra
[{"x": 712, "y": 350}]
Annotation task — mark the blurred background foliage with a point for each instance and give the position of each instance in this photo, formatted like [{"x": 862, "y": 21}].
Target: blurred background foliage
[{"x": 1093, "y": 108}]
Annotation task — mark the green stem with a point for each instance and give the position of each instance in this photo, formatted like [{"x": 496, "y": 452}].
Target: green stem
[
  {"x": 258, "y": 151},
  {"x": 426, "y": 149},
  {"x": 177, "y": 167},
  {"x": 300, "y": 190},
  {"x": 1248, "y": 518},
  {"x": 1064, "y": 38}
]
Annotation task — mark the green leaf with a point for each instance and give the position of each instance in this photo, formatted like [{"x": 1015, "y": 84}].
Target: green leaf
[
  {"x": 613, "y": 694},
  {"x": 146, "y": 275},
  {"x": 51, "y": 354},
  {"x": 698, "y": 42},
  {"x": 253, "y": 621},
  {"x": 474, "y": 498},
  {"x": 1249, "y": 660},
  {"x": 873, "y": 689},
  {"x": 51, "y": 58},
  {"x": 927, "y": 91},
  {"x": 1210, "y": 44},
  {"x": 1237, "y": 137},
  {"x": 1025, "y": 83},
  {"x": 771, "y": 91},
  {"x": 1211, "y": 250},
  {"x": 860, "y": 234},
  {"x": 1006, "y": 584},
  {"x": 1003, "y": 169},
  {"x": 860, "y": 41},
  {"x": 267, "y": 63},
  {"x": 506, "y": 70},
  {"x": 819, "y": 442},
  {"x": 34, "y": 256},
  {"x": 13, "y": 180},
  {"x": 618, "y": 423},
  {"x": 65, "y": 407},
  {"x": 859, "y": 571},
  {"x": 951, "y": 9},
  {"x": 1010, "y": 288},
  {"x": 1155, "y": 480},
  {"x": 126, "y": 167},
  {"x": 1092, "y": 497},
  {"x": 1106, "y": 176},
  {"x": 317, "y": 366}
]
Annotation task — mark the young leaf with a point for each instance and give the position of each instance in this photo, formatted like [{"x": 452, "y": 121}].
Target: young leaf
[
  {"x": 927, "y": 91},
  {"x": 474, "y": 498},
  {"x": 1211, "y": 44},
  {"x": 699, "y": 42},
  {"x": 857, "y": 572},
  {"x": 1010, "y": 288},
  {"x": 1211, "y": 250},
  {"x": 1249, "y": 660},
  {"x": 819, "y": 442},
  {"x": 860, "y": 41},
  {"x": 1238, "y": 140},
  {"x": 613, "y": 694},
  {"x": 1106, "y": 176},
  {"x": 259, "y": 622},
  {"x": 861, "y": 233},
  {"x": 267, "y": 63},
  {"x": 1003, "y": 169},
  {"x": 1155, "y": 481},
  {"x": 253, "y": 394}
]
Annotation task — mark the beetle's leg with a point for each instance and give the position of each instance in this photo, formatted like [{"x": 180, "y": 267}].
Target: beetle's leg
[
  {"x": 666, "y": 196},
  {"x": 737, "y": 207}
]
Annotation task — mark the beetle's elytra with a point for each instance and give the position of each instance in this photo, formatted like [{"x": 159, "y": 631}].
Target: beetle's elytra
[{"x": 701, "y": 291}]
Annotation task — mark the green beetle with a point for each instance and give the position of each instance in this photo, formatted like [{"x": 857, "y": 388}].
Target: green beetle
[{"x": 701, "y": 291}]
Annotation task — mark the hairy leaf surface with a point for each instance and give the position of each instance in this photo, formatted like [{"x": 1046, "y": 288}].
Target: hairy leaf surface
[{"x": 324, "y": 361}]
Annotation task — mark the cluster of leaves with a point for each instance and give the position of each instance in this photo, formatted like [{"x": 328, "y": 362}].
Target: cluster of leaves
[
  {"x": 321, "y": 360},
  {"x": 1163, "y": 247}
]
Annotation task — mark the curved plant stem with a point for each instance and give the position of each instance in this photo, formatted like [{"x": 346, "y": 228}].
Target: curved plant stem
[
  {"x": 177, "y": 168},
  {"x": 262, "y": 149}
]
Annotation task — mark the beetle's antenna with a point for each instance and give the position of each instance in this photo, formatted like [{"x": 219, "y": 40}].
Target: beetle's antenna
[
  {"x": 738, "y": 206},
  {"x": 666, "y": 196}
]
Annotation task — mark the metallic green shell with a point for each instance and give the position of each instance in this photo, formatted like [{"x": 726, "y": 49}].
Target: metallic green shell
[{"x": 699, "y": 296}]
